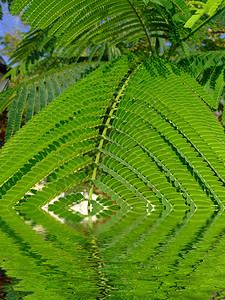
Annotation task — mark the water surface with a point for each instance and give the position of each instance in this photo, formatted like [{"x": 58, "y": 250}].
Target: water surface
[{"x": 121, "y": 255}]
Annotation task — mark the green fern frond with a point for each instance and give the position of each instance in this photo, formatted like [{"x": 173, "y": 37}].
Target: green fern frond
[
  {"x": 79, "y": 17},
  {"x": 208, "y": 69},
  {"x": 36, "y": 54},
  {"x": 77, "y": 25},
  {"x": 209, "y": 8},
  {"x": 141, "y": 134},
  {"x": 65, "y": 129},
  {"x": 32, "y": 96}
]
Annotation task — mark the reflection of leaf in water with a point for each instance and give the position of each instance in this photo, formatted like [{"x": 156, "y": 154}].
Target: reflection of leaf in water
[
  {"x": 55, "y": 261},
  {"x": 127, "y": 255},
  {"x": 161, "y": 261}
]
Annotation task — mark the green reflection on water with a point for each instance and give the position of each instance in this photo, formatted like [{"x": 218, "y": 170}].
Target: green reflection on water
[{"x": 128, "y": 255}]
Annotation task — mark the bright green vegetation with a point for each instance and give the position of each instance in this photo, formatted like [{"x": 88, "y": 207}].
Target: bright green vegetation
[
  {"x": 162, "y": 255},
  {"x": 138, "y": 130}
]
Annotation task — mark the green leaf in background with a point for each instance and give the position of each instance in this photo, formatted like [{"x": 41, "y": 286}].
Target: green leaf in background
[
  {"x": 209, "y": 8},
  {"x": 31, "y": 96}
]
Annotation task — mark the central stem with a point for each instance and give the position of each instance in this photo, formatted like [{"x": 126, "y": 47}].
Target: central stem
[{"x": 94, "y": 174}]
